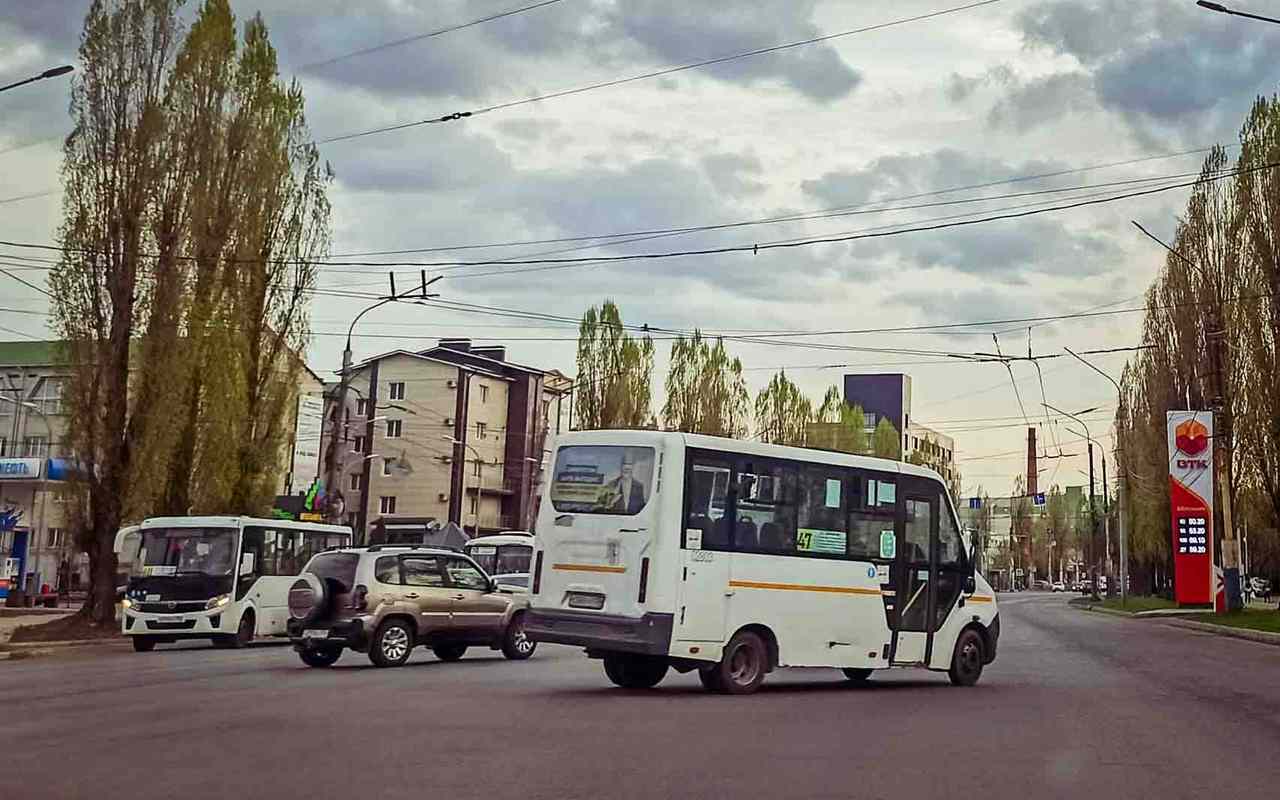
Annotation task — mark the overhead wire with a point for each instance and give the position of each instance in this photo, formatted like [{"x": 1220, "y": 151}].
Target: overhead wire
[{"x": 457, "y": 115}]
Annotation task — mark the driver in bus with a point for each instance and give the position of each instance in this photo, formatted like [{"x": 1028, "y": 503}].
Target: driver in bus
[{"x": 628, "y": 492}]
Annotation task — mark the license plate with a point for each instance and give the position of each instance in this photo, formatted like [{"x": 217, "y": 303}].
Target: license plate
[
  {"x": 581, "y": 600},
  {"x": 171, "y": 618},
  {"x": 315, "y": 634}
]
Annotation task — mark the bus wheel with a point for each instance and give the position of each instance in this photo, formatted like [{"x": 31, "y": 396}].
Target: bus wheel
[
  {"x": 744, "y": 663},
  {"x": 635, "y": 672},
  {"x": 242, "y": 637},
  {"x": 143, "y": 644},
  {"x": 325, "y": 657},
  {"x": 966, "y": 662},
  {"x": 710, "y": 679},
  {"x": 449, "y": 651},
  {"x": 856, "y": 674}
]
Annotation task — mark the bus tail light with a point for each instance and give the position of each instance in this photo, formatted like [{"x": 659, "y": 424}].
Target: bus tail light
[
  {"x": 360, "y": 598},
  {"x": 644, "y": 579},
  {"x": 537, "y": 573}
]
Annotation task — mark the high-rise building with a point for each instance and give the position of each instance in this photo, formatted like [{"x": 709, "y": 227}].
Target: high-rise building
[{"x": 887, "y": 396}]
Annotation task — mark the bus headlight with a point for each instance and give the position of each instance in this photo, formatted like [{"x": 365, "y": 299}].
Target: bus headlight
[
  {"x": 126, "y": 603},
  {"x": 217, "y": 602}
]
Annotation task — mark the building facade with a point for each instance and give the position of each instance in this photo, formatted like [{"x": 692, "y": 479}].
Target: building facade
[
  {"x": 454, "y": 433},
  {"x": 34, "y": 533},
  {"x": 888, "y": 396}
]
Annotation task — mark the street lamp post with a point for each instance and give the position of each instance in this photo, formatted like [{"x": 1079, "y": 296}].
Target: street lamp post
[
  {"x": 1221, "y": 9},
  {"x": 475, "y": 527},
  {"x": 1093, "y": 503},
  {"x": 1120, "y": 488},
  {"x": 53, "y": 72},
  {"x": 334, "y": 456}
]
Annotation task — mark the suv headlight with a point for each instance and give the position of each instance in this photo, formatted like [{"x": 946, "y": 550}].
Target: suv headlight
[{"x": 217, "y": 602}]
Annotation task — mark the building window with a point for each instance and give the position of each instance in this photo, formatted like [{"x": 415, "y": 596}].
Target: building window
[
  {"x": 396, "y": 390},
  {"x": 37, "y": 447},
  {"x": 478, "y": 465},
  {"x": 546, "y": 409},
  {"x": 355, "y": 482},
  {"x": 484, "y": 393},
  {"x": 357, "y": 444},
  {"x": 55, "y": 538},
  {"x": 362, "y": 407},
  {"x": 474, "y": 506},
  {"x": 4, "y": 447},
  {"x": 387, "y": 505},
  {"x": 481, "y": 429},
  {"x": 386, "y": 467},
  {"x": 393, "y": 429},
  {"x": 48, "y": 396}
]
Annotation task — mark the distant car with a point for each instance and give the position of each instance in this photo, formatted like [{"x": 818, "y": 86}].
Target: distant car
[
  {"x": 1059, "y": 586},
  {"x": 385, "y": 600}
]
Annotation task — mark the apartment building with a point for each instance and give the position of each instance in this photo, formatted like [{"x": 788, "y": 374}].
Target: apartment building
[
  {"x": 888, "y": 396},
  {"x": 455, "y": 433}
]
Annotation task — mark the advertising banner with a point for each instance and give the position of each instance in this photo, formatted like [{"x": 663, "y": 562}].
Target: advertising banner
[
  {"x": 306, "y": 442},
  {"x": 1191, "y": 505}
]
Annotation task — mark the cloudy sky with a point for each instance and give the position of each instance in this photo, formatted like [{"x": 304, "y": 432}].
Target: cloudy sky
[{"x": 862, "y": 124}]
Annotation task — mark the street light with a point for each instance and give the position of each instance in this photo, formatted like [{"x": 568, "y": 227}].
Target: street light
[
  {"x": 1220, "y": 8},
  {"x": 334, "y": 455},
  {"x": 479, "y": 479},
  {"x": 48, "y": 73},
  {"x": 1120, "y": 490},
  {"x": 1093, "y": 510}
]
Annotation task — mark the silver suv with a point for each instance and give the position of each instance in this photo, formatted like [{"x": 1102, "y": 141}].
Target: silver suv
[{"x": 385, "y": 600}]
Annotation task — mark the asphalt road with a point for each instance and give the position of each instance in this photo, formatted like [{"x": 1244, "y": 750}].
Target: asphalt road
[{"x": 1078, "y": 705}]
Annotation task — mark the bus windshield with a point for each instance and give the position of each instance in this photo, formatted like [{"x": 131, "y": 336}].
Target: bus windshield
[
  {"x": 602, "y": 479},
  {"x": 179, "y": 551}
]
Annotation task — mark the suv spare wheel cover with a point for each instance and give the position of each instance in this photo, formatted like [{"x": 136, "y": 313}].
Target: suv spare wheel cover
[{"x": 306, "y": 597}]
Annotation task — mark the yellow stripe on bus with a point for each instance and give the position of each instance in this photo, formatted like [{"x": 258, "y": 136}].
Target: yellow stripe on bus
[
  {"x": 588, "y": 568},
  {"x": 800, "y": 587},
  {"x": 981, "y": 598}
]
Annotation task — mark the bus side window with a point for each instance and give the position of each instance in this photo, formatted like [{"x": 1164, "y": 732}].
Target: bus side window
[
  {"x": 708, "y": 498},
  {"x": 822, "y": 528},
  {"x": 251, "y": 543},
  {"x": 268, "y": 560},
  {"x": 766, "y": 507},
  {"x": 287, "y": 547},
  {"x": 872, "y": 510}
]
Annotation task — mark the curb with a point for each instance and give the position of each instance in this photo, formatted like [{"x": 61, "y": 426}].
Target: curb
[
  {"x": 1109, "y": 611},
  {"x": 1262, "y": 637},
  {"x": 17, "y": 647}
]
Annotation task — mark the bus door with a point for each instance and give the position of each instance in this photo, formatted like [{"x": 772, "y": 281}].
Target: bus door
[
  {"x": 914, "y": 571},
  {"x": 705, "y": 548}
]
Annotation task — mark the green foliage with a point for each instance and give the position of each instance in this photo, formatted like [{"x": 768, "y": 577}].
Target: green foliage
[
  {"x": 706, "y": 392},
  {"x": 885, "y": 441},
  {"x": 194, "y": 211},
  {"x": 783, "y": 413},
  {"x": 614, "y": 373}
]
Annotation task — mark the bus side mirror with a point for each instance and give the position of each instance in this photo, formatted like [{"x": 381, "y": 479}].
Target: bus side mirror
[
  {"x": 246, "y": 564},
  {"x": 970, "y": 584}
]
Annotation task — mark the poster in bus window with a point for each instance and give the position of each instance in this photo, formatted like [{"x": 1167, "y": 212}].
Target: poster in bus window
[{"x": 602, "y": 479}]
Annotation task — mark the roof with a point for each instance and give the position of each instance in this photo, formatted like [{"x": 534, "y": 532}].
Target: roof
[
  {"x": 473, "y": 355},
  {"x": 30, "y": 353},
  {"x": 508, "y": 537},
  {"x": 423, "y": 356}
]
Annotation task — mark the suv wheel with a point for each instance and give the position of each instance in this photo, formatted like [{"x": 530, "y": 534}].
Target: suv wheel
[
  {"x": 391, "y": 645},
  {"x": 320, "y": 657},
  {"x": 516, "y": 644},
  {"x": 449, "y": 651}
]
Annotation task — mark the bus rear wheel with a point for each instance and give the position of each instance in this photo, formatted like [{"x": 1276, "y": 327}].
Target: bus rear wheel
[
  {"x": 966, "y": 662},
  {"x": 143, "y": 644},
  {"x": 710, "y": 679},
  {"x": 856, "y": 674},
  {"x": 635, "y": 672},
  {"x": 743, "y": 666},
  {"x": 321, "y": 657}
]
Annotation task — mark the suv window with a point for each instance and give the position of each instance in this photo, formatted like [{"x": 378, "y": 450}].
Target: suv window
[
  {"x": 422, "y": 571},
  {"x": 387, "y": 570},
  {"x": 465, "y": 575},
  {"x": 341, "y": 567}
]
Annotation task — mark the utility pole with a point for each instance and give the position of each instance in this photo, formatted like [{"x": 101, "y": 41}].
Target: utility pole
[
  {"x": 1106, "y": 529},
  {"x": 1093, "y": 530}
]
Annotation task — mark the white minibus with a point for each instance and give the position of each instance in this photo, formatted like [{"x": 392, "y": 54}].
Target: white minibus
[
  {"x": 221, "y": 578},
  {"x": 657, "y": 551}
]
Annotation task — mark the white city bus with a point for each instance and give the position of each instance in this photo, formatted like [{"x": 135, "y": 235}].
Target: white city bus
[
  {"x": 221, "y": 578},
  {"x": 667, "y": 550}
]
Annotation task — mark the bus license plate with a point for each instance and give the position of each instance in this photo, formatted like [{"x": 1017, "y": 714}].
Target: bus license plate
[
  {"x": 583, "y": 600},
  {"x": 315, "y": 634}
]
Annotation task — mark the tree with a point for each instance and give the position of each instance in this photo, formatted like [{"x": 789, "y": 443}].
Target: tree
[
  {"x": 615, "y": 370},
  {"x": 706, "y": 392},
  {"x": 844, "y": 426},
  {"x": 194, "y": 210},
  {"x": 783, "y": 413},
  {"x": 885, "y": 441}
]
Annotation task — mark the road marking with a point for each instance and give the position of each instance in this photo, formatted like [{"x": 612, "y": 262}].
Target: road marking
[
  {"x": 588, "y": 568},
  {"x": 798, "y": 587}
]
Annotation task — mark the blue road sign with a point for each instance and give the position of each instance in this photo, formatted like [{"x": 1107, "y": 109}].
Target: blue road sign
[
  {"x": 1040, "y": 499},
  {"x": 975, "y": 502}
]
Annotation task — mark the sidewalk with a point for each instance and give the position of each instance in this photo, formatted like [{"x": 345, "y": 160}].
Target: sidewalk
[
  {"x": 9, "y": 623},
  {"x": 1170, "y": 617}
]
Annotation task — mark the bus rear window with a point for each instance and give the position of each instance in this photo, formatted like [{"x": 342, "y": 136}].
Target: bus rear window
[{"x": 602, "y": 479}]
